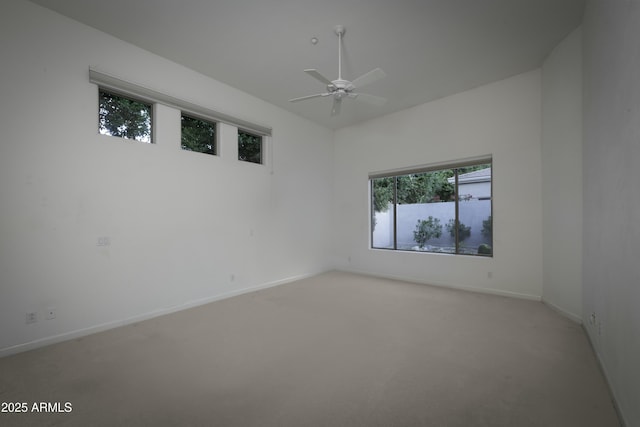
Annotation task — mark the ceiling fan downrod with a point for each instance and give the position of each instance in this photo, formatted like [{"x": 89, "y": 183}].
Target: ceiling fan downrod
[{"x": 339, "y": 29}]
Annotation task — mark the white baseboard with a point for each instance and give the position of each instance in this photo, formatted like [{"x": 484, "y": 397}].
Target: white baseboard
[
  {"x": 605, "y": 374},
  {"x": 489, "y": 291},
  {"x": 563, "y": 312},
  {"x": 66, "y": 336}
]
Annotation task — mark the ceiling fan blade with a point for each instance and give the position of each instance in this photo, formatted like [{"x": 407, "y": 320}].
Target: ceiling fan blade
[
  {"x": 316, "y": 75},
  {"x": 337, "y": 103},
  {"x": 302, "y": 98},
  {"x": 378, "y": 101},
  {"x": 368, "y": 78}
]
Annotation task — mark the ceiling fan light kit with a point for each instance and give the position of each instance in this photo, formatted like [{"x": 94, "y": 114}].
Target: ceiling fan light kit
[{"x": 341, "y": 88}]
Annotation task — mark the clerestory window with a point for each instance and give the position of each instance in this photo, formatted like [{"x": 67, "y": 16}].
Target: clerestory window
[
  {"x": 124, "y": 117},
  {"x": 198, "y": 135},
  {"x": 249, "y": 147}
]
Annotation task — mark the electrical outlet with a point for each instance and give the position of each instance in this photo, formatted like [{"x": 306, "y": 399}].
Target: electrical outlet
[
  {"x": 490, "y": 275},
  {"x": 51, "y": 313},
  {"x": 31, "y": 317},
  {"x": 103, "y": 241}
]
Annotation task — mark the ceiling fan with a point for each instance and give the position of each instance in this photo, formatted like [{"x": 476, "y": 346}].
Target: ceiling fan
[{"x": 340, "y": 88}]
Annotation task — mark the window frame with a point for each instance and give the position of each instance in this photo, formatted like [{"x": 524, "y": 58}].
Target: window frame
[
  {"x": 115, "y": 84},
  {"x": 130, "y": 97},
  {"x": 396, "y": 173},
  {"x": 216, "y": 132},
  {"x": 262, "y": 146}
]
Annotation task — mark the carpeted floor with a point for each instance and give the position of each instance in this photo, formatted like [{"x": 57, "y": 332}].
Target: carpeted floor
[{"x": 335, "y": 350}]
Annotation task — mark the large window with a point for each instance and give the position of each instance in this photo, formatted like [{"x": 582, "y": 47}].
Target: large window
[
  {"x": 198, "y": 135},
  {"x": 440, "y": 209},
  {"x": 124, "y": 117},
  {"x": 249, "y": 147}
]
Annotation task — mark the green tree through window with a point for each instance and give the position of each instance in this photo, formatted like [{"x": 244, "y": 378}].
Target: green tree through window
[
  {"x": 249, "y": 147},
  {"x": 124, "y": 117},
  {"x": 198, "y": 135}
]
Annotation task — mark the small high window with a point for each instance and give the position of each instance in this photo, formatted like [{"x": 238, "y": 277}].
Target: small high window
[
  {"x": 249, "y": 147},
  {"x": 198, "y": 135},
  {"x": 124, "y": 117}
]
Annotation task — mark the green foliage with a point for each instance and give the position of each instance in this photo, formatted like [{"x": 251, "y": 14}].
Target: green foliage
[
  {"x": 425, "y": 187},
  {"x": 382, "y": 194},
  {"x": 414, "y": 188},
  {"x": 124, "y": 117},
  {"x": 463, "y": 230},
  {"x": 484, "y": 249},
  {"x": 487, "y": 227},
  {"x": 427, "y": 229},
  {"x": 198, "y": 135},
  {"x": 249, "y": 147}
]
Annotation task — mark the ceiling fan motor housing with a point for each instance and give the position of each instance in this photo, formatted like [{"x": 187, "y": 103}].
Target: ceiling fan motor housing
[{"x": 340, "y": 85}]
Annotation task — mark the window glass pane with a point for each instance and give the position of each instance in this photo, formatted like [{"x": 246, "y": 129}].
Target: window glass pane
[
  {"x": 249, "y": 147},
  {"x": 475, "y": 227},
  {"x": 433, "y": 214},
  {"x": 382, "y": 213},
  {"x": 124, "y": 117},
  {"x": 198, "y": 135},
  {"x": 425, "y": 205}
]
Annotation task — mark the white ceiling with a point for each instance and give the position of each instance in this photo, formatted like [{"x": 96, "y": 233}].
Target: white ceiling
[{"x": 428, "y": 48}]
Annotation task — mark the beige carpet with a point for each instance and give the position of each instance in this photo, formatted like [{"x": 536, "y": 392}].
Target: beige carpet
[{"x": 337, "y": 349}]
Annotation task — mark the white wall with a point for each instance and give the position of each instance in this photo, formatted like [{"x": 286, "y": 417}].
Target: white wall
[
  {"x": 501, "y": 119},
  {"x": 180, "y": 223},
  {"x": 562, "y": 176},
  {"x": 611, "y": 155}
]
